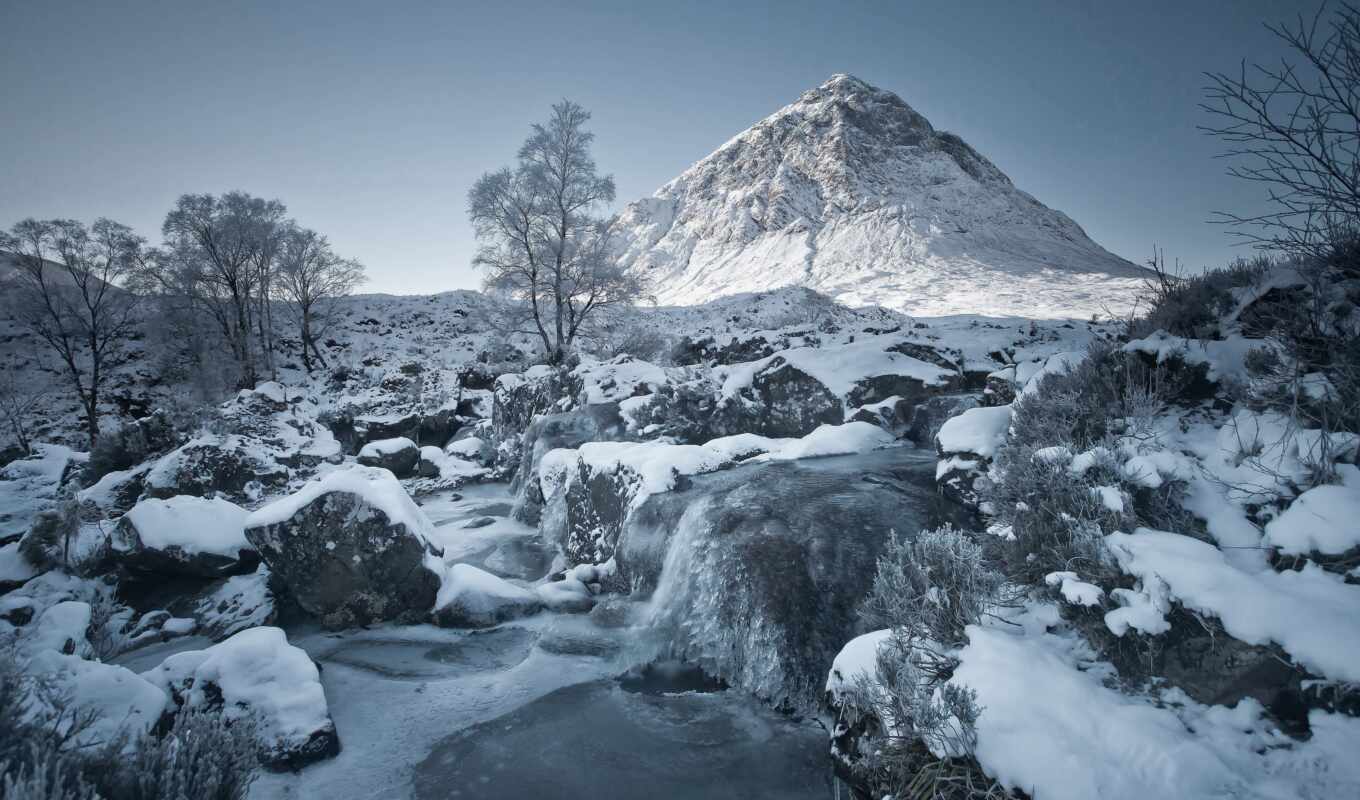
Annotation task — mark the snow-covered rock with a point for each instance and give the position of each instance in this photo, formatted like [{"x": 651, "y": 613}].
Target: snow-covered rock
[
  {"x": 352, "y": 547},
  {"x": 966, "y": 445},
  {"x": 852, "y": 192},
  {"x": 474, "y": 598},
  {"x": 257, "y": 675},
  {"x": 399, "y": 455},
  {"x": 594, "y": 488},
  {"x": 184, "y": 536}
]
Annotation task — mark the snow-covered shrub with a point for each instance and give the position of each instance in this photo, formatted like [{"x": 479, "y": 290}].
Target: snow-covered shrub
[
  {"x": 41, "y": 755},
  {"x": 931, "y": 587},
  {"x": 921, "y": 720},
  {"x": 926, "y": 591},
  {"x": 201, "y": 757},
  {"x": 1193, "y": 305}
]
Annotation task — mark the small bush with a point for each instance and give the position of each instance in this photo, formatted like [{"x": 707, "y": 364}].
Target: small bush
[
  {"x": 1193, "y": 305},
  {"x": 927, "y": 590},
  {"x": 196, "y": 756},
  {"x": 931, "y": 587}
]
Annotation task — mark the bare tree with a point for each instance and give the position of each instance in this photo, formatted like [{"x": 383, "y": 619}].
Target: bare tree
[
  {"x": 70, "y": 292},
  {"x": 542, "y": 244},
  {"x": 311, "y": 277},
  {"x": 220, "y": 254},
  {"x": 18, "y": 400},
  {"x": 1296, "y": 129}
]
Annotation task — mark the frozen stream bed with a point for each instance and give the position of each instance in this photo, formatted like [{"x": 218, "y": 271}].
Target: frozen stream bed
[{"x": 535, "y": 707}]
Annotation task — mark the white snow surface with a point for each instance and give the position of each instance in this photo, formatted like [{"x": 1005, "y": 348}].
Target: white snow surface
[
  {"x": 13, "y": 566},
  {"x": 1050, "y": 727},
  {"x": 980, "y": 431},
  {"x": 858, "y": 658},
  {"x": 478, "y": 591},
  {"x": 385, "y": 447},
  {"x": 377, "y": 487},
  {"x": 840, "y": 367},
  {"x": 1310, "y": 613},
  {"x": 192, "y": 524},
  {"x": 259, "y": 673},
  {"x": 853, "y": 193},
  {"x": 1325, "y": 519}
]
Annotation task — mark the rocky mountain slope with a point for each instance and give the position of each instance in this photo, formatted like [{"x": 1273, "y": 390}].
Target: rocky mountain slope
[{"x": 851, "y": 192}]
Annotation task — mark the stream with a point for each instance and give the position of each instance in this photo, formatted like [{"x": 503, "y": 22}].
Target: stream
[{"x": 552, "y": 706}]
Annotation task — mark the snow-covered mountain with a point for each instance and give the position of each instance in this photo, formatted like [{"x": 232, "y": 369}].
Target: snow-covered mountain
[{"x": 852, "y": 192}]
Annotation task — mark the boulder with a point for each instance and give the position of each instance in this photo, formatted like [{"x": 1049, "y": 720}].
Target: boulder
[
  {"x": 474, "y": 598},
  {"x": 352, "y": 548},
  {"x": 399, "y": 456},
  {"x": 931, "y": 414},
  {"x": 184, "y": 536},
  {"x": 999, "y": 389},
  {"x": 966, "y": 444},
  {"x": 257, "y": 675},
  {"x": 30, "y": 485},
  {"x": 756, "y": 573},
  {"x": 786, "y": 401},
  {"x": 214, "y": 464},
  {"x": 892, "y": 414},
  {"x": 592, "y": 423}
]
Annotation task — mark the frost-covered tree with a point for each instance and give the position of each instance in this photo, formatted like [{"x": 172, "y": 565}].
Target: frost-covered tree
[
  {"x": 311, "y": 277},
  {"x": 70, "y": 291},
  {"x": 221, "y": 253},
  {"x": 542, "y": 242}
]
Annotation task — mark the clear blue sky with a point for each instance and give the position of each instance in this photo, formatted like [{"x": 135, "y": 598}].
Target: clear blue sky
[{"x": 371, "y": 120}]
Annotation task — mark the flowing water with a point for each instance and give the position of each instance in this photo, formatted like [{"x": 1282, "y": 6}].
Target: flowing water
[{"x": 561, "y": 706}]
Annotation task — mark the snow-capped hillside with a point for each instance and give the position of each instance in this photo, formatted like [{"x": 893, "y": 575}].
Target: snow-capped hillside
[{"x": 852, "y": 192}]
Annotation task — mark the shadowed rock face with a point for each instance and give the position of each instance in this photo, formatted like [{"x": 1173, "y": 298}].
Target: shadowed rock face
[
  {"x": 756, "y": 573},
  {"x": 347, "y": 563},
  {"x": 599, "y": 422}
]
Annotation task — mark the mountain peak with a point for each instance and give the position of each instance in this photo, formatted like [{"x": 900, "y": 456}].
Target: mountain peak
[{"x": 852, "y": 192}]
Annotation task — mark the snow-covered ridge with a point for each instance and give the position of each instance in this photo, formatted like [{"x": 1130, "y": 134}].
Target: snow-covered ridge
[{"x": 852, "y": 192}]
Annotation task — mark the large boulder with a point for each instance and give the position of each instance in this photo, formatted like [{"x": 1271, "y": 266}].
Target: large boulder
[
  {"x": 400, "y": 456},
  {"x": 257, "y": 675},
  {"x": 756, "y": 573},
  {"x": 352, "y": 548},
  {"x": 184, "y": 536}
]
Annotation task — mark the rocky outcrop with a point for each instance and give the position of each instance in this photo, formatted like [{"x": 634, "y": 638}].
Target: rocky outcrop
[
  {"x": 399, "y": 456},
  {"x": 757, "y": 572},
  {"x": 210, "y": 465},
  {"x": 592, "y": 423},
  {"x": 352, "y": 548}
]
